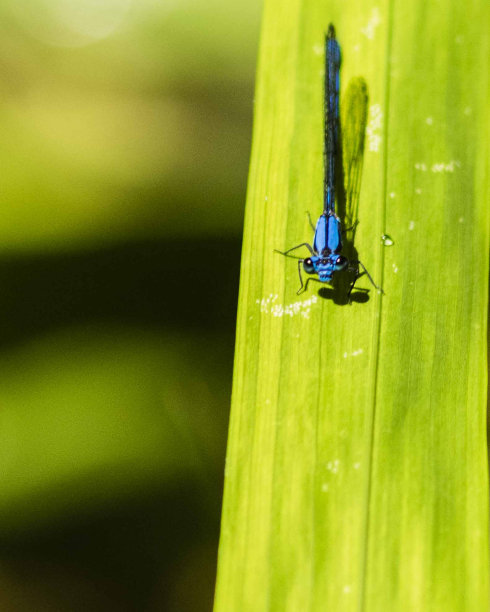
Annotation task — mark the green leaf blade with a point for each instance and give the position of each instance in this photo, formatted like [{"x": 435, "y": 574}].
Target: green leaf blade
[{"x": 356, "y": 472}]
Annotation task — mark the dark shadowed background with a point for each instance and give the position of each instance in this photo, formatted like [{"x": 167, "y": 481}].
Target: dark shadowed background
[{"x": 125, "y": 137}]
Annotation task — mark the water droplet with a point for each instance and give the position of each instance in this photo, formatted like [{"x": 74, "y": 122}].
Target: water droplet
[{"x": 387, "y": 240}]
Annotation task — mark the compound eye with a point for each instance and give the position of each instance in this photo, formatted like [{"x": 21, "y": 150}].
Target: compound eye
[
  {"x": 341, "y": 263},
  {"x": 308, "y": 266}
]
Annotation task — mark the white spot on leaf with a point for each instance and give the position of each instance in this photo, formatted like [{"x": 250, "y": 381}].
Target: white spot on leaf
[
  {"x": 446, "y": 167},
  {"x": 373, "y": 128},
  {"x": 373, "y": 23},
  {"x": 302, "y": 308}
]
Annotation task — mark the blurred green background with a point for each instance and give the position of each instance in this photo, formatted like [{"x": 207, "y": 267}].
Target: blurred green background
[{"x": 125, "y": 136}]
